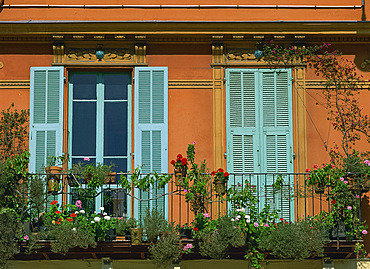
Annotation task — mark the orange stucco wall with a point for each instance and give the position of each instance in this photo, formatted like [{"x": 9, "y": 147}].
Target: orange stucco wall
[{"x": 190, "y": 14}]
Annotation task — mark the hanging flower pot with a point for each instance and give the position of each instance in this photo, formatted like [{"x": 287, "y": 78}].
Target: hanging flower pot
[
  {"x": 220, "y": 181},
  {"x": 53, "y": 178},
  {"x": 180, "y": 174},
  {"x": 181, "y": 167},
  {"x": 220, "y": 187},
  {"x": 111, "y": 179}
]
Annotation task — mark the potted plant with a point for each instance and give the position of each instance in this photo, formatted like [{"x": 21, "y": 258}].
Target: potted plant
[
  {"x": 154, "y": 224},
  {"x": 185, "y": 231},
  {"x": 181, "y": 167},
  {"x": 53, "y": 169},
  {"x": 320, "y": 178},
  {"x": 357, "y": 170},
  {"x": 220, "y": 180},
  {"x": 136, "y": 235}
]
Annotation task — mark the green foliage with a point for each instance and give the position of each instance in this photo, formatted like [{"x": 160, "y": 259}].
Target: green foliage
[
  {"x": 215, "y": 242},
  {"x": 36, "y": 193},
  {"x": 9, "y": 235},
  {"x": 124, "y": 225},
  {"x": 166, "y": 250},
  {"x": 197, "y": 184},
  {"x": 13, "y": 132},
  {"x": 56, "y": 160},
  {"x": 296, "y": 241},
  {"x": 144, "y": 181},
  {"x": 154, "y": 224}
]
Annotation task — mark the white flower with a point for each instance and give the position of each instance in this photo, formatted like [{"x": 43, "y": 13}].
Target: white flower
[
  {"x": 101, "y": 208},
  {"x": 77, "y": 212},
  {"x": 237, "y": 217},
  {"x": 247, "y": 217},
  {"x": 107, "y": 217},
  {"x": 74, "y": 229},
  {"x": 238, "y": 209},
  {"x": 232, "y": 220},
  {"x": 105, "y": 213},
  {"x": 82, "y": 211},
  {"x": 96, "y": 219},
  {"x": 92, "y": 221},
  {"x": 242, "y": 209}
]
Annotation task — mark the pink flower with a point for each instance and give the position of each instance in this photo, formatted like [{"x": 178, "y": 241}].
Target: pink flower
[
  {"x": 345, "y": 182},
  {"x": 79, "y": 204},
  {"x": 206, "y": 215},
  {"x": 194, "y": 143},
  {"x": 357, "y": 196},
  {"x": 266, "y": 225},
  {"x": 26, "y": 237},
  {"x": 185, "y": 190},
  {"x": 87, "y": 159},
  {"x": 341, "y": 179},
  {"x": 256, "y": 224},
  {"x": 349, "y": 207},
  {"x": 364, "y": 232}
]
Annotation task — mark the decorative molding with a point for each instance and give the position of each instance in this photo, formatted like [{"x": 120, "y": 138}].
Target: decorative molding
[
  {"x": 217, "y": 37},
  {"x": 217, "y": 54},
  {"x": 279, "y": 36},
  {"x": 87, "y": 55},
  {"x": 238, "y": 36},
  {"x": 1, "y": 64},
  {"x": 99, "y": 36},
  {"x": 240, "y": 55},
  {"x": 58, "y": 36},
  {"x": 364, "y": 64},
  {"x": 190, "y": 84},
  {"x": 119, "y": 37},
  {"x": 320, "y": 84},
  {"x": 78, "y": 36},
  {"x": 14, "y": 84},
  {"x": 258, "y": 37},
  {"x": 58, "y": 51},
  {"x": 140, "y": 53}
]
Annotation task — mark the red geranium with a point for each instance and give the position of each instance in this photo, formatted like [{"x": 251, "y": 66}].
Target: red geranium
[
  {"x": 69, "y": 219},
  {"x": 334, "y": 202},
  {"x": 54, "y": 202},
  {"x": 73, "y": 215},
  {"x": 58, "y": 212},
  {"x": 184, "y": 161},
  {"x": 226, "y": 174},
  {"x": 213, "y": 173},
  {"x": 220, "y": 175},
  {"x": 179, "y": 157},
  {"x": 220, "y": 170},
  {"x": 57, "y": 222},
  {"x": 195, "y": 229},
  {"x": 173, "y": 162}
]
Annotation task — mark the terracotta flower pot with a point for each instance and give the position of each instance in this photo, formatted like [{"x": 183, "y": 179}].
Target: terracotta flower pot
[
  {"x": 53, "y": 178},
  {"x": 180, "y": 174},
  {"x": 220, "y": 187},
  {"x": 136, "y": 236}
]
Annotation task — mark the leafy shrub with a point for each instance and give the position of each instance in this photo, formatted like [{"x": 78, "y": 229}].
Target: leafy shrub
[
  {"x": 154, "y": 224},
  {"x": 214, "y": 243},
  {"x": 296, "y": 240},
  {"x": 9, "y": 234}
]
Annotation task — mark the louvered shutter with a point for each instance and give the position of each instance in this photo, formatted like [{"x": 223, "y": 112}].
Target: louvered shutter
[
  {"x": 276, "y": 124},
  {"x": 46, "y": 116},
  {"x": 259, "y": 129},
  {"x": 151, "y": 131},
  {"x": 241, "y": 114}
]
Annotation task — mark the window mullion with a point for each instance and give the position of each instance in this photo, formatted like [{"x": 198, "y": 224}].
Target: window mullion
[{"x": 100, "y": 119}]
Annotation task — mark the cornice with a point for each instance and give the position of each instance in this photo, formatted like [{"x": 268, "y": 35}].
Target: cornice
[
  {"x": 320, "y": 84},
  {"x": 239, "y": 29}
]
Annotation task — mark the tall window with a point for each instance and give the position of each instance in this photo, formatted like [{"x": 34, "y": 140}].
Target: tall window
[
  {"x": 259, "y": 129},
  {"x": 99, "y": 125},
  {"x": 99, "y": 118}
]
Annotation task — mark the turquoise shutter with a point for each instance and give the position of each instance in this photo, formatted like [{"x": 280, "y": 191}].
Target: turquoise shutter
[
  {"x": 259, "y": 130},
  {"x": 151, "y": 130},
  {"x": 277, "y": 137},
  {"x": 46, "y": 117},
  {"x": 242, "y": 141}
]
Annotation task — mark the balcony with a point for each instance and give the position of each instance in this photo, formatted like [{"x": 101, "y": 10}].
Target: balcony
[{"x": 286, "y": 194}]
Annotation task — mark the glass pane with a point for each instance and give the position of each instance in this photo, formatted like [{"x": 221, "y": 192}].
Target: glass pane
[
  {"x": 84, "y": 129},
  {"x": 84, "y": 86},
  {"x": 120, "y": 164},
  {"x": 115, "y": 203},
  {"x": 116, "y": 86},
  {"x": 115, "y": 129}
]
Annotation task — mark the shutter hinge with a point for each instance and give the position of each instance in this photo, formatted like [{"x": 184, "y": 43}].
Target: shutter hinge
[
  {"x": 133, "y": 155},
  {"x": 133, "y": 79},
  {"x": 225, "y": 155}
]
